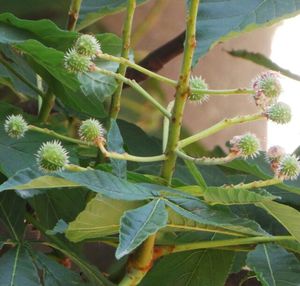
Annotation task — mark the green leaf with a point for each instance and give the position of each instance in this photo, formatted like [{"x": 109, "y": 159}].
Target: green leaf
[
  {"x": 101, "y": 217},
  {"x": 54, "y": 274},
  {"x": 287, "y": 216},
  {"x": 95, "y": 180},
  {"x": 138, "y": 224},
  {"x": 115, "y": 144},
  {"x": 219, "y": 21},
  {"x": 191, "y": 268},
  {"x": 262, "y": 60},
  {"x": 227, "y": 196},
  {"x": 18, "y": 269},
  {"x": 274, "y": 266},
  {"x": 14, "y": 71},
  {"x": 202, "y": 213},
  {"x": 93, "y": 10},
  {"x": 58, "y": 204},
  {"x": 12, "y": 213},
  {"x": 179, "y": 223}
]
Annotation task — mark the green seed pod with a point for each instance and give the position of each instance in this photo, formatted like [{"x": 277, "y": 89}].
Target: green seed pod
[
  {"x": 245, "y": 145},
  {"x": 280, "y": 113},
  {"x": 76, "y": 63},
  {"x": 268, "y": 83},
  {"x": 15, "y": 126},
  {"x": 198, "y": 83},
  {"x": 87, "y": 45},
  {"x": 52, "y": 157},
  {"x": 289, "y": 168},
  {"x": 90, "y": 130}
]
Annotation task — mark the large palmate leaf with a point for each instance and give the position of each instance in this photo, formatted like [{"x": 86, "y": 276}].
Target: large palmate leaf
[
  {"x": 286, "y": 215},
  {"x": 192, "y": 268},
  {"x": 274, "y": 266},
  {"x": 12, "y": 213},
  {"x": 227, "y": 196},
  {"x": 18, "y": 269},
  {"x": 101, "y": 217},
  {"x": 93, "y": 10},
  {"x": 221, "y": 20},
  {"x": 140, "y": 223},
  {"x": 202, "y": 213}
]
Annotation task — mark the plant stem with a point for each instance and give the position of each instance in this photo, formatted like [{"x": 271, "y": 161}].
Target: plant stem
[
  {"x": 171, "y": 82},
  {"x": 73, "y": 14},
  {"x": 256, "y": 184},
  {"x": 225, "y": 123},
  {"x": 116, "y": 98},
  {"x": 195, "y": 173},
  {"x": 222, "y": 243},
  {"x": 140, "y": 263},
  {"x": 128, "y": 157},
  {"x": 128, "y": 63},
  {"x": 182, "y": 92},
  {"x": 137, "y": 87},
  {"x": 47, "y": 104},
  {"x": 207, "y": 161},
  {"x": 58, "y": 136}
]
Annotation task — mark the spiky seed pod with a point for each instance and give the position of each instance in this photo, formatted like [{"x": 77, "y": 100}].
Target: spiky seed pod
[
  {"x": 76, "y": 63},
  {"x": 267, "y": 88},
  {"x": 15, "y": 126},
  {"x": 52, "y": 157},
  {"x": 87, "y": 45},
  {"x": 274, "y": 155},
  {"x": 279, "y": 112},
  {"x": 268, "y": 83},
  {"x": 289, "y": 168},
  {"x": 245, "y": 145},
  {"x": 90, "y": 130},
  {"x": 198, "y": 82}
]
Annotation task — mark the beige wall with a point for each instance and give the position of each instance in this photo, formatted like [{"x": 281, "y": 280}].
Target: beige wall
[{"x": 220, "y": 70}]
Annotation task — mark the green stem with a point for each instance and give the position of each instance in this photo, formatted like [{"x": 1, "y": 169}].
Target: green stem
[
  {"x": 20, "y": 77},
  {"x": 225, "y": 123},
  {"x": 136, "y": 87},
  {"x": 138, "y": 68},
  {"x": 182, "y": 92},
  {"x": 166, "y": 127},
  {"x": 58, "y": 136},
  {"x": 73, "y": 14},
  {"x": 256, "y": 184},
  {"x": 140, "y": 263},
  {"x": 116, "y": 98},
  {"x": 195, "y": 173},
  {"x": 171, "y": 82},
  {"x": 222, "y": 243},
  {"x": 47, "y": 104},
  {"x": 207, "y": 161},
  {"x": 128, "y": 157}
]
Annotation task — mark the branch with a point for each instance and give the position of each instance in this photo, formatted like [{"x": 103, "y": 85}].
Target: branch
[
  {"x": 73, "y": 14},
  {"x": 158, "y": 58}
]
